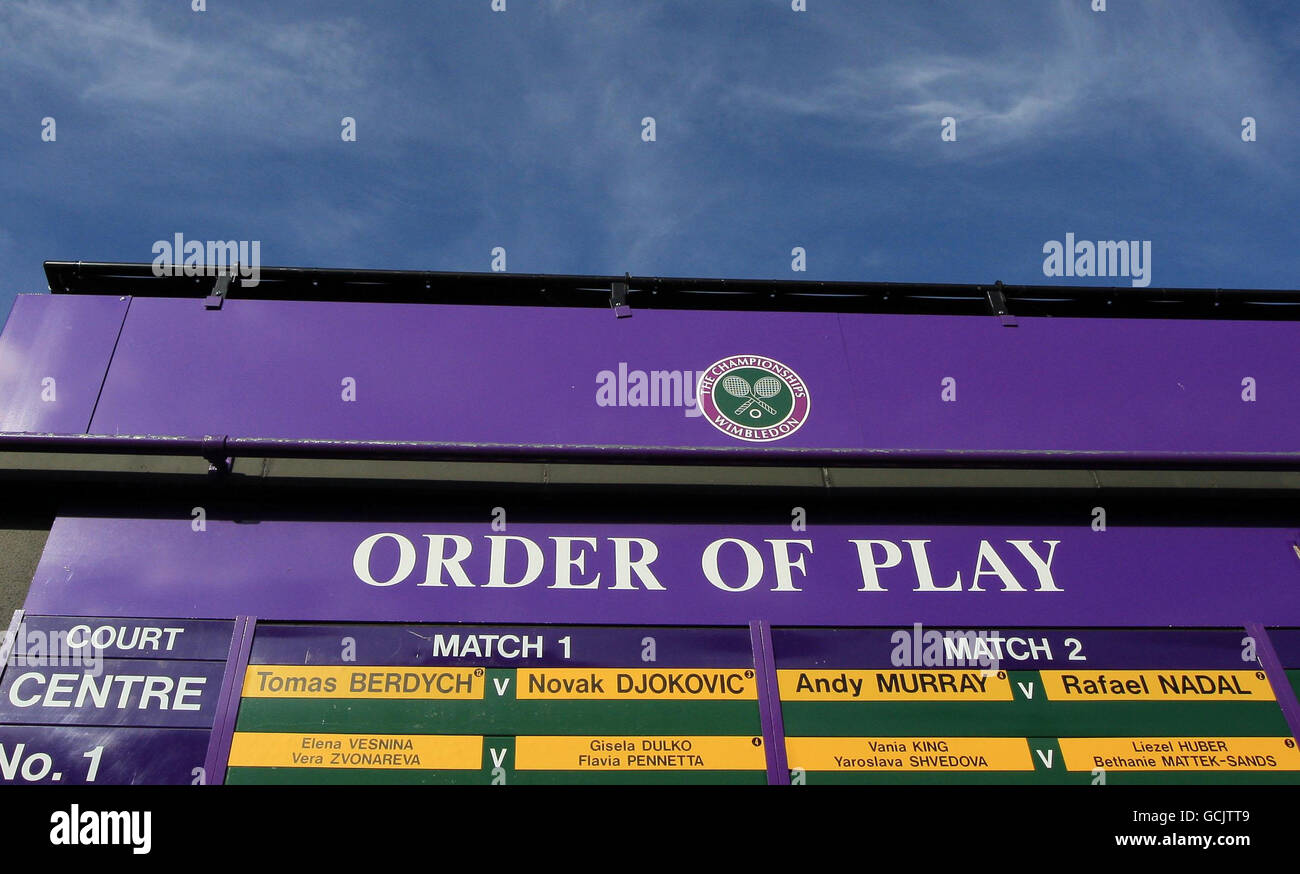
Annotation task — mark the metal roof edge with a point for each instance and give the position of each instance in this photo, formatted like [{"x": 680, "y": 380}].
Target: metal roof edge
[{"x": 662, "y": 292}]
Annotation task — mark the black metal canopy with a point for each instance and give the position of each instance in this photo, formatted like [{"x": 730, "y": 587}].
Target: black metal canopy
[{"x": 659, "y": 292}]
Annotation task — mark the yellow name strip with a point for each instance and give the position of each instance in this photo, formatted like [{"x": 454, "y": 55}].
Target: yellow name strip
[
  {"x": 1156, "y": 686},
  {"x": 360, "y": 681},
  {"x": 909, "y": 753},
  {"x": 908, "y": 685},
  {"x": 697, "y": 684},
  {"x": 256, "y": 749},
  {"x": 1180, "y": 753},
  {"x": 662, "y": 753}
]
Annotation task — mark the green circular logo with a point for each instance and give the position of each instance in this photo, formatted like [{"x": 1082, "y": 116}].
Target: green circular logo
[{"x": 753, "y": 398}]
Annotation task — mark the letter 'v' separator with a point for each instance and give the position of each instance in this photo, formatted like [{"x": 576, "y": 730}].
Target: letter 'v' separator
[
  {"x": 232, "y": 684},
  {"x": 769, "y": 703},
  {"x": 1277, "y": 678}
]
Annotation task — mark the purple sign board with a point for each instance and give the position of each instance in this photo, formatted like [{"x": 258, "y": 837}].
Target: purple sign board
[
  {"x": 986, "y": 576},
  {"x": 584, "y": 593},
  {"x": 855, "y": 384}
]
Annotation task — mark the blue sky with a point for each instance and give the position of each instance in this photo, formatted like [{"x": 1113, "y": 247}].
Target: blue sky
[{"x": 774, "y": 129}]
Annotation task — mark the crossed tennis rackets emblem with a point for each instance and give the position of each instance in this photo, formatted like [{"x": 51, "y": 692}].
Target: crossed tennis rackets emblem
[{"x": 763, "y": 387}]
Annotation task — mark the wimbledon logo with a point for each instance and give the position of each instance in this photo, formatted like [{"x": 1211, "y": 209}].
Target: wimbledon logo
[{"x": 754, "y": 398}]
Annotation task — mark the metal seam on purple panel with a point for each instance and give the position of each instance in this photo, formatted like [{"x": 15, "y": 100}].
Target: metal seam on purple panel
[
  {"x": 7, "y": 647},
  {"x": 232, "y": 682},
  {"x": 769, "y": 704},
  {"x": 284, "y": 447},
  {"x": 225, "y": 736},
  {"x": 223, "y": 699},
  {"x": 108, "y": 365},
  {"x": 1277, "y": 678},
  {"x": 774, "y": 700},
  {"x": 764, "y": 714}
]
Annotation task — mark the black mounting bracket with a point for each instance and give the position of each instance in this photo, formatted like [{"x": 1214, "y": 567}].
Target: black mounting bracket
[
  {"x": 997, "y": 300},
  {"x": 214, "y": 452},
  {"x": 618, "y": 297},
  {"x": 220, "y": 289}
]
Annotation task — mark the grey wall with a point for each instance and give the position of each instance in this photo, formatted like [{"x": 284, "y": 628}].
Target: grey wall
[{"x": 22, "y": 539}]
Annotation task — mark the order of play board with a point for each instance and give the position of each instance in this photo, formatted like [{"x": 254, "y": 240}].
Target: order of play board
[
  {"x": 95, "y": 700},
  {"x": 1030, "y": 706},
  {"x": 498, "y": 704}
]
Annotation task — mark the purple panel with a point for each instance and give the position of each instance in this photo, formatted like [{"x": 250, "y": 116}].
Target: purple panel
[
  {"x": 1014, "y": 648},
  {"x": 588, "y": 646},
  {"x": 137, "y": 692},
  {"x": 528, "y": 375},
  {"x": 65, "y": 755},
  {"x": 1075, "y": 384},
  {"x": 64, "y": 338},
  {"x": 447, "y": 373},
  {"x": 304, "y": 571},
  {"x": 218, "y": 754},
  {"x": 769, "y": 704},
  {"x": 1286, "y": 642},
  {"x": 125, "y": 638}
]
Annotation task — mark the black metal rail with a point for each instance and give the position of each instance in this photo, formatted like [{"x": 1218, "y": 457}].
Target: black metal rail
[{"x": 658, "y": 292}]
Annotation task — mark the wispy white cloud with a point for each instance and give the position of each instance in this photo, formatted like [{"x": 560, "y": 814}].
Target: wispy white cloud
[
  {"x": 1021, "y": 76},
  {"x": 133, "y": 63}
]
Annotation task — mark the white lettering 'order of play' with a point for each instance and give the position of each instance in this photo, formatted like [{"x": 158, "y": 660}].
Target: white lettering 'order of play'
[{"x": 729, "y": 564}]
